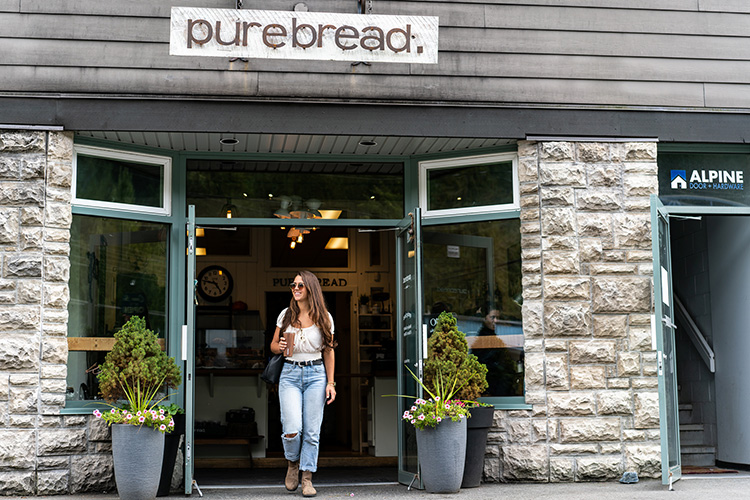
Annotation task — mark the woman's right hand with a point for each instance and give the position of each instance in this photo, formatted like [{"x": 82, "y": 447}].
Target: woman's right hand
[{"x": 282, "y": 345}]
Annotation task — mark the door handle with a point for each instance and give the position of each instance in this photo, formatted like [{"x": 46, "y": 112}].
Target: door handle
[{"x": 668, "y": 322}]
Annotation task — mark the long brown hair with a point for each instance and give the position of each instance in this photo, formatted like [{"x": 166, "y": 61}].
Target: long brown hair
[{"x": 318, "y": 310}]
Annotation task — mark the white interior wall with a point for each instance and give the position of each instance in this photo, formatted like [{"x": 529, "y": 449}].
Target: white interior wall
[{"x": 729, "y": 261}]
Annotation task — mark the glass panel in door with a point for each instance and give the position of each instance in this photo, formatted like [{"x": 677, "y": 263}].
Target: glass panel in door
[
  {"x": 665, "y": 345},
  {"x": 410, "y": 350}
]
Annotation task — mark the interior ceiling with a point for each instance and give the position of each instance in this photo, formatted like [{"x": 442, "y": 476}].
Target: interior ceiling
[{"x": 297, "y": 144}]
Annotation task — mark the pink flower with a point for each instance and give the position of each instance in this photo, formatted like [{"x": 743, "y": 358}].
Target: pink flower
[
  {"x": 421, "y": 417},
  {"x": 97, "y": 414},
  {"x": 113, "y": 410},
  {"x": 129, "y": 416},
  {"x": 437, "y": 398},
  {"x": 161, "y": 410},
  {"x": 171, "y": 423},
  {"x": 141, "y": 419},
  {"x": 406, "y": 414},
  {"x": 161, "y": 417},
  {"x": 439, "y": 419},
  {"x": 413, "y": 408},
  {"x": 162, "y": 427},
  {"x": 447, "y": 407}
]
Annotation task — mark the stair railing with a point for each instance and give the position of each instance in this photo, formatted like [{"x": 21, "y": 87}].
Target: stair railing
[{"x": 695, "y": 335}]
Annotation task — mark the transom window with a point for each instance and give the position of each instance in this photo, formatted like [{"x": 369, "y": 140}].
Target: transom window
[
  {"x": 120, "y": 180},
  {"x": 474, "y": 184}
]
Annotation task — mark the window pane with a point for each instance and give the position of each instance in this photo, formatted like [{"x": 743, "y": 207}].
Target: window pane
[
  {"x": 118, "y": 269},
  {"x": 472, "y": 186},
  {"x": 474, "y": 271},
  {"x": 254, "y": 189},
  {"x": 119, "y": 181}
]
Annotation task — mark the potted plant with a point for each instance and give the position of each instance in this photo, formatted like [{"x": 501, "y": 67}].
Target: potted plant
[
  {"x": 440, "y": 421},
  {"x": 448, "y": 354},
  {"x": 363, "y": 301},
  {"x": 136, "y": 370}
]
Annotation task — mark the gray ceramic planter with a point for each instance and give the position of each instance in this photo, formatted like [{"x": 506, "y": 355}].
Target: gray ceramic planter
[
  {"x": 137, "y": 453},
  {"x": 442, "y": 452}
]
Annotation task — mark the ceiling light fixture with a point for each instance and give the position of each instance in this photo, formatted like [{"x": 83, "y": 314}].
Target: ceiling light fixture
[
  {"x": 338, "y": 243},
  {"x": 367, "y": 144},
  {"x": 228, "y": 141}
]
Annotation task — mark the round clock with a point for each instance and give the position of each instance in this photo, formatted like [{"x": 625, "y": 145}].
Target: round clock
[{"x": 215, "y": 283}]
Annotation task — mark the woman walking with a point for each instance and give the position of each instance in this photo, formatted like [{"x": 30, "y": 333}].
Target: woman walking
[{"x": 304, "y": 333}]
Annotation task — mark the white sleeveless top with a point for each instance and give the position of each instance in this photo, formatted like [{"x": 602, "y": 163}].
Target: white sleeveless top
[{"x": 308, "y": 342}]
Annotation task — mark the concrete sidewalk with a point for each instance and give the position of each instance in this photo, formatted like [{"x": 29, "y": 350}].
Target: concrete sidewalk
[{"x": 691, "y": 488}]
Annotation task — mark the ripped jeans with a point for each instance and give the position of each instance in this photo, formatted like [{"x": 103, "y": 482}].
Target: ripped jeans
[{"x": 302, "y": 395}]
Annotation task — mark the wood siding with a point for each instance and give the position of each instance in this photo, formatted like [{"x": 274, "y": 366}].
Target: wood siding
[{"x": 691, "y": 54}]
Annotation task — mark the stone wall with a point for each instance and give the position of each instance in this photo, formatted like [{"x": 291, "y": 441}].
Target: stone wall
[
  {"x": 40, "y": 449},
  {"x": 587, "y": 266}
]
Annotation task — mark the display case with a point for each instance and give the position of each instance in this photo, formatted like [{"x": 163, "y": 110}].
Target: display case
[{"x": 228, "y": 340}]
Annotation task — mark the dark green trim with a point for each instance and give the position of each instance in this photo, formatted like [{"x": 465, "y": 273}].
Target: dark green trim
[
  {"x": 220, "y": 221},
  {"x": 702, "y": 148},
  {"x": 507, "y": 403},
  {"x": 508, "y": 148},
  {"x": 460, "y": 219},
  {"x": 79, "y": 407}
]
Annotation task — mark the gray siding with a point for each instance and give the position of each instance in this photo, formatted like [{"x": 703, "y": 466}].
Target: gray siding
[{"x": 679, "y": 53}]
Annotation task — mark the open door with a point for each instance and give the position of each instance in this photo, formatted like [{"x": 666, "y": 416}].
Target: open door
[
  {"x": 188, "y": 351},
  {"x": 411, "y": 334},
  {"x": 671, "y": 467}
]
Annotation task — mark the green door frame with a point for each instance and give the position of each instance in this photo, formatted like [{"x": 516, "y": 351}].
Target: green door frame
[
  {"x": 664, "y": 326},
  {"x": 411, "y": 334}
]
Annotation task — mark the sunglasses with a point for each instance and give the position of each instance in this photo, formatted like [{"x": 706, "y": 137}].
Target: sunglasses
[{"x": 297, "y": 285}]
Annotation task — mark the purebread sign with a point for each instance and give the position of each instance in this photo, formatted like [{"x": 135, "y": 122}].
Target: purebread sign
[{"x": 267, "y": 34}]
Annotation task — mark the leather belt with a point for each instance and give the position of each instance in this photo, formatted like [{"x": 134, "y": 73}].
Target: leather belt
[{"x": 318, "y": 361}]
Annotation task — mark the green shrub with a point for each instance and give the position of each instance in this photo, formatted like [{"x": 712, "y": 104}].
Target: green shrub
[
  {"x": 448, "y": 353},
  {"x": 136, "y": 362}
]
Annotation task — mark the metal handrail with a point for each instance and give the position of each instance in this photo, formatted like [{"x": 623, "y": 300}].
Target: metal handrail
[{"x": 695, "y": 335}]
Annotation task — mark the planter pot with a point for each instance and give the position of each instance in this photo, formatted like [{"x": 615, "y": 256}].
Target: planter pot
[
  {"x": 442, "y": 452},
  {"x": 476, "y": 442},
  {"x": 171, "y": 445},
  {"x": 137, "y": 453}
]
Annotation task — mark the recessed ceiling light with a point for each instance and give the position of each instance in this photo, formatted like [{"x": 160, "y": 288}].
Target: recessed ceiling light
[
  {"x": 368, "y": 143},
  {"x": 229, "y": 141}
]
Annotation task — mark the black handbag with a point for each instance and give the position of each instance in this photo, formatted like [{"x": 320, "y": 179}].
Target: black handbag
[{"x": 272, "y": 372}]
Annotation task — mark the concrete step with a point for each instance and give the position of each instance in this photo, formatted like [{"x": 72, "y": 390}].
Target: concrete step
[
  {"x": 685, "y": 413},
  {"x": 698, "y": 455},
  {"x": 692, "y": 434}
]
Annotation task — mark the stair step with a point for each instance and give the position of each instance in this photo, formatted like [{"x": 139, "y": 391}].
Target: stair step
[
  {"x": 692, "y": 435},
  {"x": 698, "y": 455},
  {"x": 691, "y": 427},
  {"x": 685, "y": 413}
]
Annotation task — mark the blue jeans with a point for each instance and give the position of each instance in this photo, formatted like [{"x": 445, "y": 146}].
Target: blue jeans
[{"x": 302, "y": 396}]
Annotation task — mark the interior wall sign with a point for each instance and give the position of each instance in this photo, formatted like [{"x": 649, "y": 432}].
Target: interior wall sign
[{"x": 267, "y": 34}]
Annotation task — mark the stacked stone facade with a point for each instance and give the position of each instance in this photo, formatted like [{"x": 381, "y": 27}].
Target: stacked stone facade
[
  {"x": 587, "y": 266},
  {"x": 40, "y": 449},
  {"x": 590, "y": 370}
]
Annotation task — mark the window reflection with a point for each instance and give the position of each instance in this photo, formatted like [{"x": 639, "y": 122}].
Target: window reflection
[
  {"x": 118, "y": 270},
  {"x": 296, "y": 189},
  {"x": 474, "y": 271}
]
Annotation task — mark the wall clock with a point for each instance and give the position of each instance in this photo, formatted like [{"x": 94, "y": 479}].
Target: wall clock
[{"x": 215, "y": 283}]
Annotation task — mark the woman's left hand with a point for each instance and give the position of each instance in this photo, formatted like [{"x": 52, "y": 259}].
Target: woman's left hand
[{"x": 330, "y": 394}]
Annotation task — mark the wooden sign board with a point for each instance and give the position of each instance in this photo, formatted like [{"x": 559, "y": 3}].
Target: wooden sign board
[{"x": 268, "y": 34}]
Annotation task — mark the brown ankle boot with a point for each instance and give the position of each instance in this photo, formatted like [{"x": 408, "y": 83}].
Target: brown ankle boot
[
  {"x": 292, "y": 476},
  {"x": 307, "y": 487}
]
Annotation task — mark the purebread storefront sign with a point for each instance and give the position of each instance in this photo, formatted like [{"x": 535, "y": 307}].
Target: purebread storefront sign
[{"x": 268, "y": 34}]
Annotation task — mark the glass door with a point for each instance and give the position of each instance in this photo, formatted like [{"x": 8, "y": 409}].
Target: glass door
[
  {"x": 188, "y": 352},
  {"x": 411, "y": 335},
  {"x": 665, "y": 344}
]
